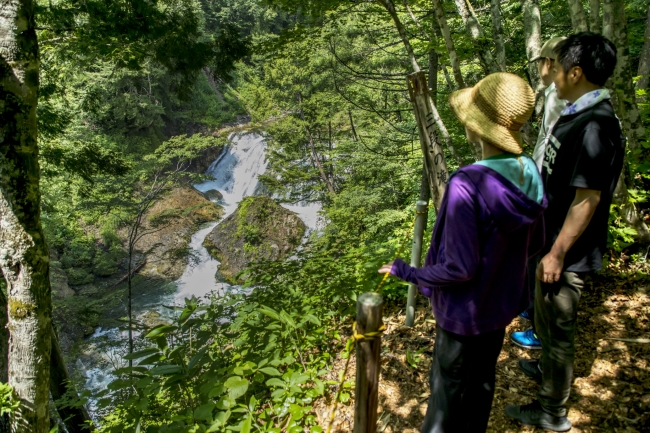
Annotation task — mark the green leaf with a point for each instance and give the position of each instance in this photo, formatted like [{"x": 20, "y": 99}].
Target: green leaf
[
  {"x": 164, "y": 370},
  {"x": 276, "y": 382},
  {"x": 269, "y": 312},
  {"x": 160, "y": 330},
  {"x": 204, "y": 412},
  {"x": 246, "y": 426},
  {"x": 313, "y": 319},
  {"x": 236, "y": 386},
  {"x": 271, "y": 371},
  {"x": 142, "y": 353}
]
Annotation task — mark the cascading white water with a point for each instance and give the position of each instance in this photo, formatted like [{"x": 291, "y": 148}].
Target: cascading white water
[{"x": 235, "y": 173}]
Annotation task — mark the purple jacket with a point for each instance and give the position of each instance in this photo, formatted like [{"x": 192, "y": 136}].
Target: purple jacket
[{"x": 474, "y": 271}]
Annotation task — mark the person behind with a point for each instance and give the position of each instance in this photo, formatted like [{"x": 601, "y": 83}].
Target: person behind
[
  {"x": 582, "y": 163},
  {"x": 553, "y": 106},
  {"x": 486, "y": 228}
]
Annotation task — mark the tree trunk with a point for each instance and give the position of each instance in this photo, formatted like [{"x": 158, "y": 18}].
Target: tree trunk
[
  {"x": 594, "y": 16},
  {"x": 433, "y": 76},
  {"x": 578, "y": 16},
  {"x": 24, "y": 259},
  {"x": 644, "y": 61},
  {"x": 390, "y": 7},
  {"x": 497, "y": 32},
  {"x": 76, "y": 419},
  {"x": 449, "y": 43},
  {"x": 533, "y": 40},
  {"x": 624, "y": 102},
  {"x": 475, "y": 32},
  {"x": 624, "y": 98}
]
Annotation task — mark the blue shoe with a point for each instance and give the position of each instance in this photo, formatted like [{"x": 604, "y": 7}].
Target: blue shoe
[
  {"x": 525, "y": 315},
  {"x": 526, "y": 339}
]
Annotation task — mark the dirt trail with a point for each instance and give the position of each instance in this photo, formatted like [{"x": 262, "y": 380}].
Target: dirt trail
[{"x": 611, "y": 389}]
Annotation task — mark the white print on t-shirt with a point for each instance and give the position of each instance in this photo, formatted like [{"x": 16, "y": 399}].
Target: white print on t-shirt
[{"x": 550, "y": 153}]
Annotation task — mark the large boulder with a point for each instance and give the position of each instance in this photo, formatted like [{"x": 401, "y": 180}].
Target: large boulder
[
  {"x": 213, "y": 195},
  {"x": 185, "y": 209},
  {"x": 260, "y": 229}
]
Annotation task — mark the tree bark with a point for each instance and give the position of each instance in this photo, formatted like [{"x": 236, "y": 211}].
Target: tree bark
[
  {"x": 644, "y": 61},
  {"x": 594, "y": 16},
  {"x": 497, "y": 32},
  {"x": 533, "y": 40},
  {"x": 624, "y": 98},
  {"x": 449, "y": 43},
  {"x": 24, "y": 259},
  {"x": 578, "y": 16},
  {"x": 624, "y": 102},
  {"x": 433, "y": 76},
  {"x": 475, "y": 32}
]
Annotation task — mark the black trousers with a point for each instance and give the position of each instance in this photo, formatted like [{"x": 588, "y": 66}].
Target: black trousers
[
  {"x": 462, "y": 382},
  {"x": 556, "y": 307}
]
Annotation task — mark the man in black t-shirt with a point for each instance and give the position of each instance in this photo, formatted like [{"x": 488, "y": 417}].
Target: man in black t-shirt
[{"x": 582, "y": 163}]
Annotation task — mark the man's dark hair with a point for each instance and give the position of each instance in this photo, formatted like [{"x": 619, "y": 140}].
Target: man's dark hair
[{"x": 594, "y": 53}]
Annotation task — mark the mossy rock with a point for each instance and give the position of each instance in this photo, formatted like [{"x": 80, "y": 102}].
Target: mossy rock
[
  {"x": 260, "y": 229},
  {"x": 213, "y": 194}
]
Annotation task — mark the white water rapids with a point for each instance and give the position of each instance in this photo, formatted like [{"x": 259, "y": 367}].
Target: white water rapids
[{"x": 235, "y": 175}]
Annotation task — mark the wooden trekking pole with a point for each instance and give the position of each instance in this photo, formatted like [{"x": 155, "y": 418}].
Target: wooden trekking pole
[
  {"x": 416, "y": 252},
  {"x": 369, "y": 328}
]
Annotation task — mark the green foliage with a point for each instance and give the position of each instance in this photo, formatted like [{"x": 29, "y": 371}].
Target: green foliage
[{"x": 8, "y": 401}]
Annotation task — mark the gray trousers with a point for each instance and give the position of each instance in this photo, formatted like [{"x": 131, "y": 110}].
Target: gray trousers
[{"x": 556, "y": 311}]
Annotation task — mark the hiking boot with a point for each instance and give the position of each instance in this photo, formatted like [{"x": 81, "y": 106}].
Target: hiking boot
[
  {"x": 532, "y": 369},
  {"x": 525, "y": 315},
  {"x": 526, "y": 339},
  {"x": 533, "y": 415}
]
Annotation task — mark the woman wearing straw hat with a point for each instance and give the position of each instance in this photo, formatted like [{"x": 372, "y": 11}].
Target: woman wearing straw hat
[{"x": 486, "y": 228}]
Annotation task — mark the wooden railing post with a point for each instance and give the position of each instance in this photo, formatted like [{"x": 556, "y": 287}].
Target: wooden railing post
[
  {"x": 416, "y": 253},
  {"x": 369, "y": 320}
]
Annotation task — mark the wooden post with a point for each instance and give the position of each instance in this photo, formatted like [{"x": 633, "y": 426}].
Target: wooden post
[
  {"x": 416, "y": 252},
  {"x": 434, "y": 158},
  {"x": 369, "y": 314}
]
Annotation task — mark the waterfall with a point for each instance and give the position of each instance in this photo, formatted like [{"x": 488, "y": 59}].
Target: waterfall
[{"x": 235, "y": 175}]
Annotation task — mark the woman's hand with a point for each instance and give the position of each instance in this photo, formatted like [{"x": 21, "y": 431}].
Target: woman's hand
[{"x": 385, "y": 269}]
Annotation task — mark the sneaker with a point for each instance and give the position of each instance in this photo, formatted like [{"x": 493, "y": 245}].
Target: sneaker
[
  {"x": 532, "y": 369},
  {"x": 525, "y": 315},
  {"x": 533, "y": 415},
  {"x": 526, "y": 339}
]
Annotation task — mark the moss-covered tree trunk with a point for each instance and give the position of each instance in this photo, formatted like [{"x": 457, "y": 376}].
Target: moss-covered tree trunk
[
  {"x": 23, "y": 253},
  {"x": 497, "y": 33},
  {"x": 578, "y": 16}
]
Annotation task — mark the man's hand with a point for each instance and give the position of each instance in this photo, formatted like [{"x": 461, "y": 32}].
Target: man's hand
[
  {"x": 549, "y": 269},
  {"x": 385, "y": 269}
]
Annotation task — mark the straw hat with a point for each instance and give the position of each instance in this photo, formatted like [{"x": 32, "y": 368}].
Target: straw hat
[{"x": 496, "y": 108}]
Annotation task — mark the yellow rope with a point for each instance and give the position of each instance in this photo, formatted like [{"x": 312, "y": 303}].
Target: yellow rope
[{"x": 370, "y": 335}]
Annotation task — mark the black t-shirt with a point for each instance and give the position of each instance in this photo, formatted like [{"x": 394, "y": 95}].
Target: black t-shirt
[{"x": 585, "y": 150}]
